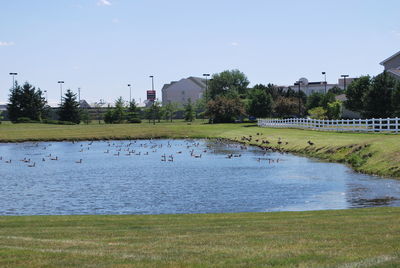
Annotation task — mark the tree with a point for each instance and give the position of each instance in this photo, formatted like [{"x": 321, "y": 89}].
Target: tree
[
  {"x": 132, "y": 113},
  {"x": 189, "y": 111},
  {"x": 336, "y": 90},
  {"x": 27, "y": 102},
  {"x": 355, "y": 93},
  {"x": 119, "y": 111},
  {"x": 314, "y": 100},
  {"x": 334, "y": 110},
  {"x": 224, "y": 109},
  {"x": 260, "y": 104},
  {"x": 396, "y": 100},
  {"x": 85, "y": 117},
  {"x": 170, "y": 110},
  {"x": 69, "y": 109},
  {"x": 378, "y": 98},
  {"x": 317, "y": 113},
  {"x": 227, "y": 83},
  {"x": 288, "y": 107}
]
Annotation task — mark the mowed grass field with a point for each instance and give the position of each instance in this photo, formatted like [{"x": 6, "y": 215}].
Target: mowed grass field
[
  {"x": 341, "y": 238},
  {"x": 369, "y": 153}
]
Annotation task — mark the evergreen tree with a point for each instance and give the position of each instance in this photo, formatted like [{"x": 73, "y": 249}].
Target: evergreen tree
[
  {"x": 260, "y": 104},
  {"x": 69, "y": 109},
  {"x": 355, "y": 93},
  {"x": 132, "y": 113},
  {"x": 378, "y": 98},
  {"x": 189, "y": 111},
  {"x": 26, "y": 102},
  {"x": 396, "y": 100},
  {"x": 119, "y": 111}
]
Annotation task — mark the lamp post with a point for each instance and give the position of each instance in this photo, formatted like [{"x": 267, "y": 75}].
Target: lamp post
[
  {"x": 206, "y": 76},
  {"x": 344, "y": 80},
  {"x": 152, "y": 82},
  {"x": 324, "y": 74},
  {"x": 153, "y": 108},
  {"x": 79, "y": 95},
  {"x": 130, "y": 94},
  {"x": 60, "y": 82},
  {"x": 45, "y": 93},
  {"x": 13, "y": 75},
  {"x": 299, "y": 84}
]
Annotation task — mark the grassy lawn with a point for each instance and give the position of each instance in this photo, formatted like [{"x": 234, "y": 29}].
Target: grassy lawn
[
  {"x": 342, "y": 238},
  {"x": 370, "y": 153}
]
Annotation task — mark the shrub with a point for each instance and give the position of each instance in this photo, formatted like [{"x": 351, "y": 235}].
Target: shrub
[
  {"x": 135, "y": 121},
  {"x": 25, "y": 120}
]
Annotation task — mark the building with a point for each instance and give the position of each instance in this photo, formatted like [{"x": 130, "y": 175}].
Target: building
[
  {"x": 392, "y": 65},
  {"x": 181, "y": 91},
  {"x": 318, "y": 87}
]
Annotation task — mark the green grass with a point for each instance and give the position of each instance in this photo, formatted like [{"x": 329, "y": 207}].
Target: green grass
[
  {"x": 369, "y": 153},
  {"x": 342, "y": 238}
]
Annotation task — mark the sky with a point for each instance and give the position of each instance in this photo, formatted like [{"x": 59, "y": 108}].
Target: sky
[{"x": 101, "y": 46}]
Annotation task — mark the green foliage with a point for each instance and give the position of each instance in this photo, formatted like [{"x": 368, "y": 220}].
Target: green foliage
[
  {"x": 27, "y": 102},
  {"x": 334, "y": 110},
  {"x": 336, "y": 90},
  {"x": 25, "y": 120},
  {"x": 288, "y": 107},
  {"x": 260, "y": 103},
  {"x": 396, "y": 100},
  {"x": 117, "y": 114},
  {"x": 85, "y": 116},
  {"x": 227, "y": 83},
  {"x": 189, "y": 111},
  {"x": 355, "y": 93},
  {"x": 132, "y": 114},
  {"x": 378, "y": 99},
  {"x": 317, "y": 113},
  {"x": 314, "y": 100},
  {"x": 224, "y": 109},
  {"x": 169, "y": 110},
  {"x": 69, "y": 109}
]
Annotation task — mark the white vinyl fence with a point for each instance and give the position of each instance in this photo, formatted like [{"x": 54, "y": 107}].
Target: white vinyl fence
[{"x": 350, "y": 125}]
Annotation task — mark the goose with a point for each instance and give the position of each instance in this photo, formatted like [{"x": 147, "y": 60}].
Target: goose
[
  {"x": 54, "y": 158},
  {"x": 32, "y": 165},
  {"x": 117, "y": 154},
  {"x": 8, "y": 161},
  {"x": 310, "y": 143},
  {"x": 79, "y": 162}
]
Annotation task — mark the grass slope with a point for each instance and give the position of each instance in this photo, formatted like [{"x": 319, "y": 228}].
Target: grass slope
[
  {"x": 369, "y": 153},
  {"x": 342, "y": 238}
]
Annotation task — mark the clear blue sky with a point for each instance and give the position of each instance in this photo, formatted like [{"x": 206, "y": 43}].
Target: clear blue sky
[{"x": 102, "y": 45}]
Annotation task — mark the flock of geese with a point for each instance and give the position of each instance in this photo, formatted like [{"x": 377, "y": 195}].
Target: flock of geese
[{"x": 143, "y": 148}]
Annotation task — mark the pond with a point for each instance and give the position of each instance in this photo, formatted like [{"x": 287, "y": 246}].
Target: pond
[{"x": 176, "y": 176}]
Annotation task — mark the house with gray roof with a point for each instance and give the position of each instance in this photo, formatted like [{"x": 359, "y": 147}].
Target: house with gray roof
[
  {"x": 181, "y": 91},
  {"x": 392, "y": 65}
]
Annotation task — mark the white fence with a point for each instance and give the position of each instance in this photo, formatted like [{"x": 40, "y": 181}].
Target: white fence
[{"x": 350, "y": 125}]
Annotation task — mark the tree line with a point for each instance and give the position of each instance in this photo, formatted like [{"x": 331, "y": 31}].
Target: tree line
[{"x": 227, "y": 99}]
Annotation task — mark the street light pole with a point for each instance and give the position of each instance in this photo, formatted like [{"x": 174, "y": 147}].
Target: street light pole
[
  {"x": 45, "y": 92},
  {"x": 299, "y": 83},
  {"x": 13, "y": 74},
  {"x": 344, "y": 80},
  {"x": 206, "y": 76},
  {"x": 60, "y": 82},
  {"x": 130, "y": 94},
  {"x": 152, "y": 82},
  {"x": 324, "y": 73},
  {"x": 79, "y": 95}
]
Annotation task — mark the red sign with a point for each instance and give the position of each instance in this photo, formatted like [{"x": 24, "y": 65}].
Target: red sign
[{"x": 151, "y": 95}]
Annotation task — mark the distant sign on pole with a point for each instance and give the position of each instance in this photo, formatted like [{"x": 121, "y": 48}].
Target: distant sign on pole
[{"x": 151, "y": 95}]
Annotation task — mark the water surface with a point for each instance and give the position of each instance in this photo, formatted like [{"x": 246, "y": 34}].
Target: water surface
[{"x": 130, "y": 177}]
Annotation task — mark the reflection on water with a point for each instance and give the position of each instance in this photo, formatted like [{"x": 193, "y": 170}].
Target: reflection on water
[{"x": 176, "y": 176}]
